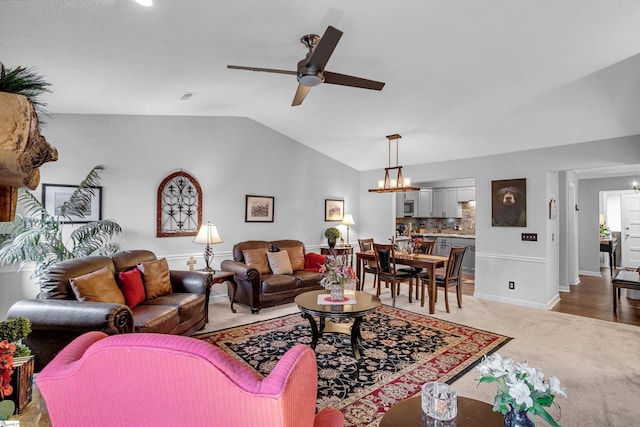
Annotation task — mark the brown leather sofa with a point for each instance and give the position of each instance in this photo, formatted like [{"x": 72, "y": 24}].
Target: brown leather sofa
[
  {"x": 57, "y": 316},
  {"x": 259, "y": 289}
]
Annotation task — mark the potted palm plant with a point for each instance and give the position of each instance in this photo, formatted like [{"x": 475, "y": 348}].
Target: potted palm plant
[{"x": 38, "y": 236}]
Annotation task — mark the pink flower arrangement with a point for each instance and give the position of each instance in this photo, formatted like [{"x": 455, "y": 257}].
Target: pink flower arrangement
[
  {"x": 335, "y": 271},
  {"x": 6, "y": 368}
]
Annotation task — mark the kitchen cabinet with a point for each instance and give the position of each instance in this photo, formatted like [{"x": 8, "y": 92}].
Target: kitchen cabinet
[
  {"x": 466, "y": 194},
  {"x": 402, "y": 199},
  {"x": 445, "y": 203},
  {"x": 443, "y": 246},
  {"x": 469, "y": 259},
  {"x": 399, "y": 205},
  {"x": 425, "y": 203}
]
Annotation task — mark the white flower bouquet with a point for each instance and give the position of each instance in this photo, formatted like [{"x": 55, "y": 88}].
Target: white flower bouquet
[{"x": 520, "y": 387}]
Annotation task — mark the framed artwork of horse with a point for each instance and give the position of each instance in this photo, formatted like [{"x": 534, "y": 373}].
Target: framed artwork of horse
[{"x": 509, "y": 203}]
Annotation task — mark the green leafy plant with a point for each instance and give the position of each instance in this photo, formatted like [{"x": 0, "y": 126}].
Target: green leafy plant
[
  {"x": 332, "y": 233},
  {"x": 38, "y": 237},
  {"x": 14, "y": 330}
]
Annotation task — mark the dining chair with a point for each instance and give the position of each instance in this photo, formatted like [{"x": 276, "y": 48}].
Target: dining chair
[
  {"x": 369, "y": 265},
  {"x": 452, "y": 277},
  {"x": 420, "y": 247},
  {"x": 424, "y": 247},
  {"x": 388, "y": 273}
]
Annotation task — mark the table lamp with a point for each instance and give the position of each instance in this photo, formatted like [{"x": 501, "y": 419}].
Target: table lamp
[
  {"x": 348, "y": 220},
  {"x": 208, "y": 234}
]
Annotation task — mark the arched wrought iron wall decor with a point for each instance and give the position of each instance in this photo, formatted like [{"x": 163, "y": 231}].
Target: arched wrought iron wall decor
[{"x": 179, "y": 206}]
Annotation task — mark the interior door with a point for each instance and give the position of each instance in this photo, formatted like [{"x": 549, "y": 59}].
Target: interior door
[{"x": 630, "y": 230}]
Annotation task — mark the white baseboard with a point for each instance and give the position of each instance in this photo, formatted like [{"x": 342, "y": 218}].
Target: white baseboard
[
  {"x": 513, "y": 301},
  {"x": 589, "y": 273}
]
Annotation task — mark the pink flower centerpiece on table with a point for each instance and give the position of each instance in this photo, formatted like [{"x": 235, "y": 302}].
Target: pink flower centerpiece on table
[{"x": 335, "y": 275}]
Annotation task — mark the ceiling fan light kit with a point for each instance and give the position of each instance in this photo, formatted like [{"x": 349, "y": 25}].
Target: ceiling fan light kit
[
  {"x": 399, "y": 183},
  {"x": 311, "y": 70}
]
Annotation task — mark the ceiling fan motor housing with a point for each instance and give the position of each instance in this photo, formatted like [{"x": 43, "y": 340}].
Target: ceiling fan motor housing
[{"x": 308, "y": 75}]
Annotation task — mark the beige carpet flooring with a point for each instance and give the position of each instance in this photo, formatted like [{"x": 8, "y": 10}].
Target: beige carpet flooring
[{"x": 597, "y": 362}]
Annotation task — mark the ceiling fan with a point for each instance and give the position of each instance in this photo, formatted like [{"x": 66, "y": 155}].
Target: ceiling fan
[{"x": 311, "y": 70}]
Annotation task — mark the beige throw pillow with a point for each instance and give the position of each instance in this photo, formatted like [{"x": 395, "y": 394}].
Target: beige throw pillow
[
  {"x": 97, "y": 286},
  {"x": 257, "y": 258},
  {"x": 296, "y": 257},
  {"x": 156, "y": 278},
  {"x": 279, "y": 262}
]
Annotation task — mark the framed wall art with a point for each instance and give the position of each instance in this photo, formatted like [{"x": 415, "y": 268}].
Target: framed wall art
[
  {"x": 55, "y": 195},
  {"x": 179, "y": 208},
  {"x": 333, "y": 210},
  {"x": 259, "y": 208},
  {"x": 509, "y": 203}
]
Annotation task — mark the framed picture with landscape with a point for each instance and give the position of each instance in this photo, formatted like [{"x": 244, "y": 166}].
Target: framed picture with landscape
[
  {"x": 55, "y": 195},
  {"x": 259, "y": 208},
  {"x": 333, "y": 210}
]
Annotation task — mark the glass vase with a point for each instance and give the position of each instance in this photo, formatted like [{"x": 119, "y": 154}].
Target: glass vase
[
  {"x": 518, "y": 418},
  {"x": 337, "y": 292}
]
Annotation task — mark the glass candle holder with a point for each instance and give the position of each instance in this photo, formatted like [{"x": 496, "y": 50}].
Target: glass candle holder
[{"x": 439, "y": 401}]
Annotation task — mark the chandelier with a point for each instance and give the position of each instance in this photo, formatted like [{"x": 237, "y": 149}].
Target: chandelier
[{"x": 391, "y": 184}]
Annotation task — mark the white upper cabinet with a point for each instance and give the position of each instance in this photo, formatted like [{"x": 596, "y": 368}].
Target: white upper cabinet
[
  {"x": 445, "y": 203},
  {"x": 466, "y": 194},
  {"x": 425, "y": 203}
]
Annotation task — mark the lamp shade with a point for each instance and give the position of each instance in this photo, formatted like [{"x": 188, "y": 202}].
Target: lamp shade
[
  {"x": 208, "y": 234},
  {"x": 348, "y": 219}
]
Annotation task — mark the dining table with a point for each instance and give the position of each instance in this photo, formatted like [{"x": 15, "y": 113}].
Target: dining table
[{"x": 429, "y": 263}]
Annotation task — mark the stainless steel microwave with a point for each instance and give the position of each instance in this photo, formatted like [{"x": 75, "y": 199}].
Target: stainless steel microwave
[{"x": 408, "y": 207}]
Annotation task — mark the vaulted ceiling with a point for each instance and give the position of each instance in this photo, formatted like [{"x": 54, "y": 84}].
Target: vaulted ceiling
[{"x": 463, "y": 77}]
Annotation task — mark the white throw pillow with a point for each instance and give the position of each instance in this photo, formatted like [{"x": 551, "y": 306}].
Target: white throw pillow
[{"x": 279, "y": 262}]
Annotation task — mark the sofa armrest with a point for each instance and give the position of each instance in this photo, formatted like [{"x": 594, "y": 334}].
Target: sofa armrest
[
  {"x": 55, "y": 323},
  {"x": 81, "y": 316},
  {"x": 194, "y": 282},
  {"x": 241, "y": 270}
]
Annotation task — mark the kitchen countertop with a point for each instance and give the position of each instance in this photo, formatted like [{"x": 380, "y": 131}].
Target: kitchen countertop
[{"x": 459, "y": 236}]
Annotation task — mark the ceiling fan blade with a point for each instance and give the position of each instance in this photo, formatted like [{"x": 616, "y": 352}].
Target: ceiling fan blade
[
  {"x": 346, "y": 80},
  {"x": 325, "y": 47},
  {"x": 300, "y": 95},
  {"x": 266, "y": 70}
]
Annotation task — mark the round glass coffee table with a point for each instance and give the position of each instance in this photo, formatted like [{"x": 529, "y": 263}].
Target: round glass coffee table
[
  {"x": 308, "y": 304},
  {"x": 471, "y": 412}
]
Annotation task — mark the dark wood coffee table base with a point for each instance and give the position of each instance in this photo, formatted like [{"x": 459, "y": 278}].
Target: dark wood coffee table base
[
  {"x": 365, "y": 304},
  {"x": 471, "y": 412}
]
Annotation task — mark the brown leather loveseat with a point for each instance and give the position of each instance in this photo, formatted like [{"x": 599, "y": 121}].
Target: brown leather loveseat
[
  {"x": 72, "y": 292},
  {"x": 258, "y": 285}
]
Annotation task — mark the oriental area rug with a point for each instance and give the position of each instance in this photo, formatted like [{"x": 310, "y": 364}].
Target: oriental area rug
[{"x": 400, "y": 352}]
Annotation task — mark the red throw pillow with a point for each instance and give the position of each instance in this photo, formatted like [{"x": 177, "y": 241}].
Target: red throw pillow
[
  {"x": 132, "y": 287},
  {"x": 313, "y": 261}
]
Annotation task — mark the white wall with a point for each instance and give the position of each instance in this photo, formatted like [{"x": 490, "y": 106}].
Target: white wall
[
  {"x": 232, "y": 157},
  {"x": 229, "y": 156},
  {"x": 501, "y": 255}
]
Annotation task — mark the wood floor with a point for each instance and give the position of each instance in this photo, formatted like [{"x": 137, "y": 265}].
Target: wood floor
[{"x": 591, "y": 298}]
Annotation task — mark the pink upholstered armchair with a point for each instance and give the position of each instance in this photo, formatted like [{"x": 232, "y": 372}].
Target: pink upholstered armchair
[{"x": 170, "y": 380}]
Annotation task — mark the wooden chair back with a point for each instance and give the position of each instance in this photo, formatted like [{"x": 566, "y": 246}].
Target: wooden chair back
[{"x": 425, "y": 247}]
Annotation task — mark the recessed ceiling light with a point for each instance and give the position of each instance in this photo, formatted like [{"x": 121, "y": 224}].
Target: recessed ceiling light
[
  {"x": 186, "y": 95},
  {"x": 145, "y": 2}
]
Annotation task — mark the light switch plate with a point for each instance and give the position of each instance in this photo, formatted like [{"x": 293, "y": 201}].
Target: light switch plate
[{"x": 530, "y": 237}]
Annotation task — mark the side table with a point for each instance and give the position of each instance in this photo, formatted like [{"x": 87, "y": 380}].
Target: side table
[
  {"x": 221, "y": 277},
  {"x": 341, "y": 250}
]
